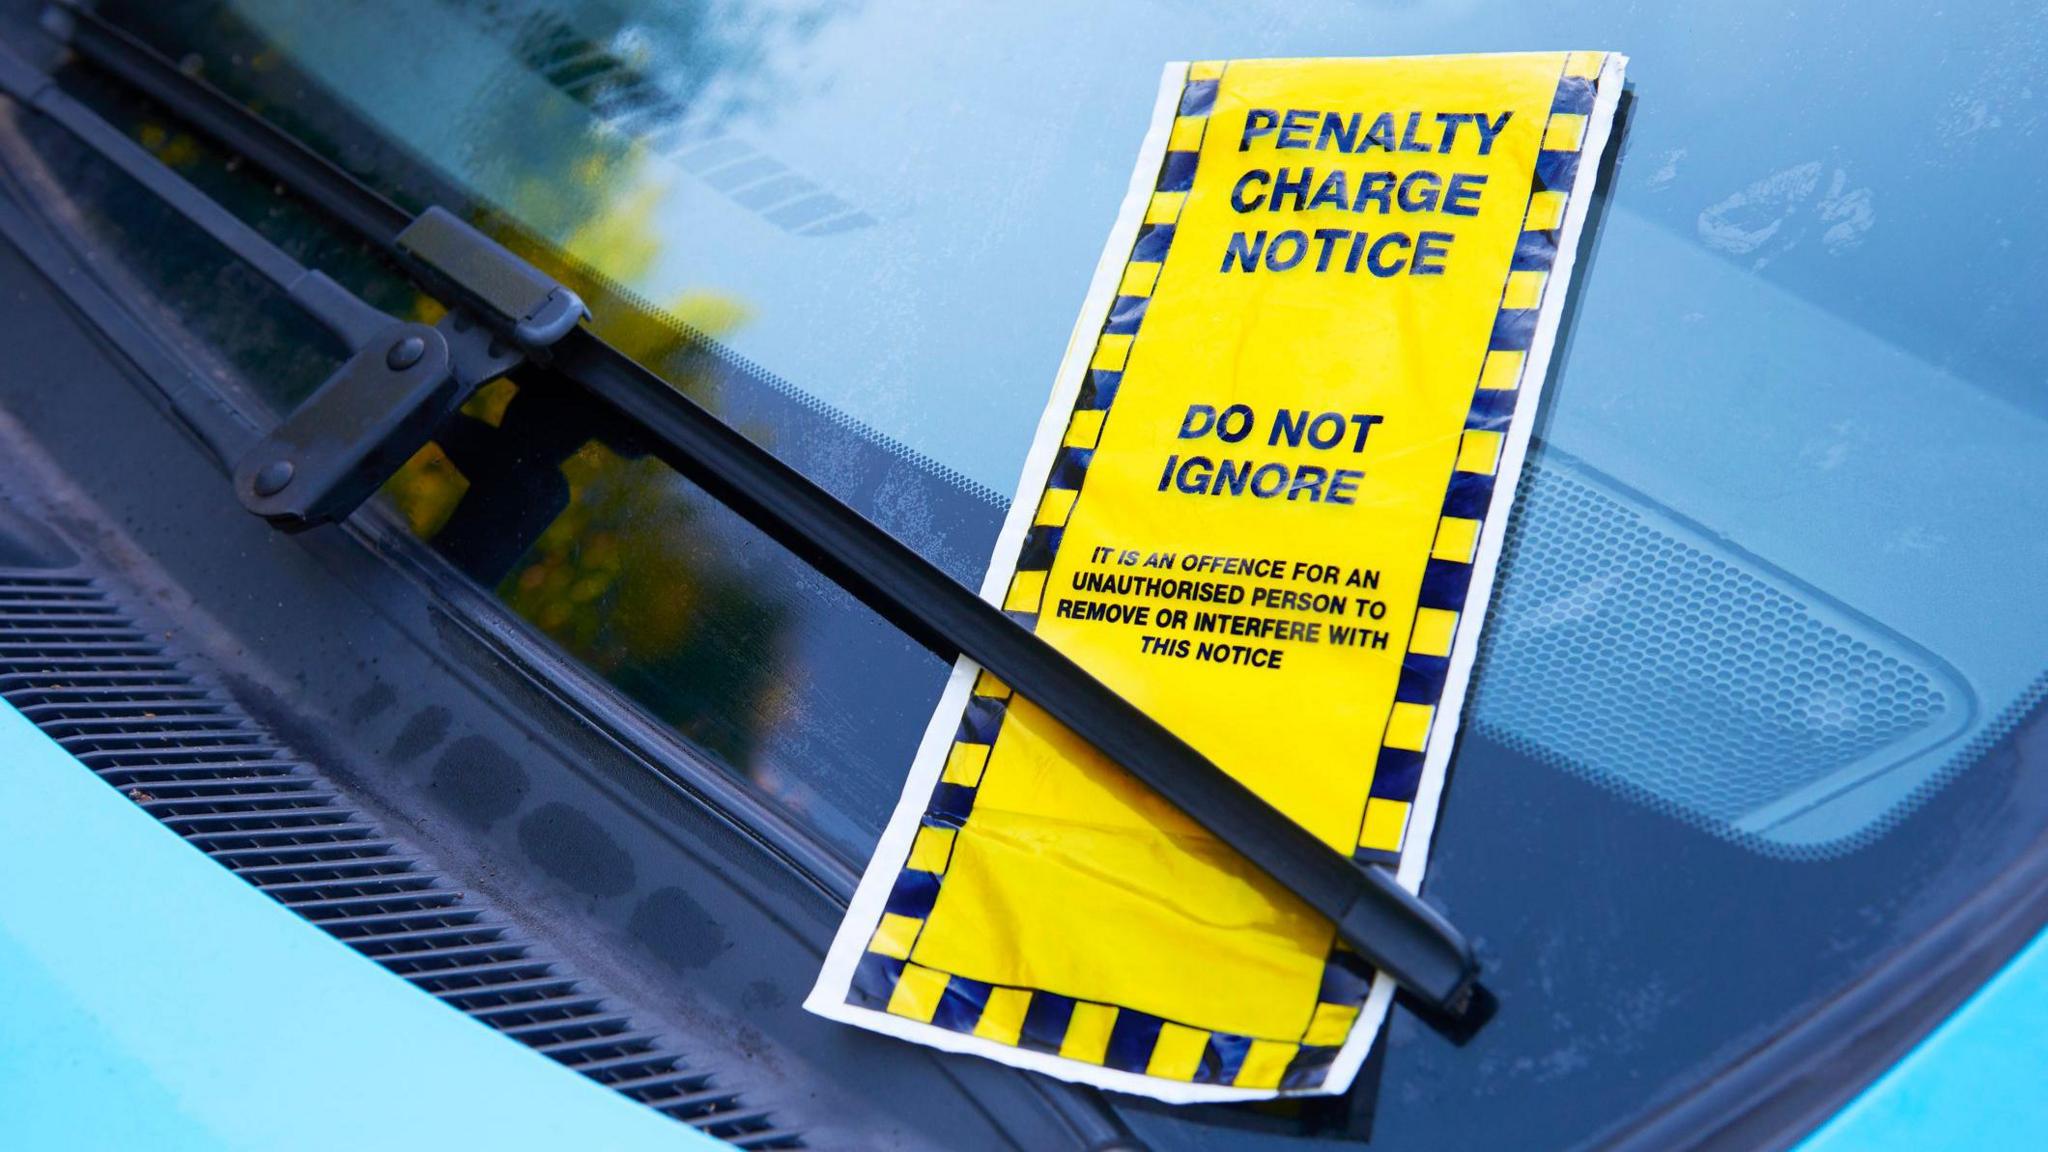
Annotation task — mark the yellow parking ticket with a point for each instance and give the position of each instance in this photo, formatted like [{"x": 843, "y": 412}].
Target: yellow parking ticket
[{"x": 1264, "y": 504}]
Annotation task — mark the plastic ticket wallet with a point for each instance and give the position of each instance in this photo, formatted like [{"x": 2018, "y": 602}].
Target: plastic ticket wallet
[{"x": 1264, "y": 504}]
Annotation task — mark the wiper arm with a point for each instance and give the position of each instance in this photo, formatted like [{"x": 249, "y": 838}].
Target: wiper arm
[{"x": 402, "y": 379}]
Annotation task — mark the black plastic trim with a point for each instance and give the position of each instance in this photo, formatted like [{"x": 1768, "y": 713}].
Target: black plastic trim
[{"x": 150, "y": 721}]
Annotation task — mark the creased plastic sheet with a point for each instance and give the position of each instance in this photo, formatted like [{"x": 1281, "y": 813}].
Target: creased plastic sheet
[{"x": 1264, "y": 503}]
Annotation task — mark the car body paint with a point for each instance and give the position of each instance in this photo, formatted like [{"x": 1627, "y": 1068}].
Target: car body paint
[{"x": 1973, "y": 1083}]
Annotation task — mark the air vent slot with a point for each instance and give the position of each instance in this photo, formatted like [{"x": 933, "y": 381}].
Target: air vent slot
[{"x": 124, "y": 705}]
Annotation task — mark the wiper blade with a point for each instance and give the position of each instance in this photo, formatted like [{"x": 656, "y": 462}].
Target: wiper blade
[{"x": 402, "y": 379}]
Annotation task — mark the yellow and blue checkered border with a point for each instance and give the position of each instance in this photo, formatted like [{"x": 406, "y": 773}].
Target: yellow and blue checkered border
[
  {"x": 1447, "y": 579},
  {"x": 887, "y": 979}
]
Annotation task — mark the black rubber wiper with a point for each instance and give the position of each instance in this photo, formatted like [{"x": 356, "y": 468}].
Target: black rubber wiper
[{"x": 401, "y": 379}]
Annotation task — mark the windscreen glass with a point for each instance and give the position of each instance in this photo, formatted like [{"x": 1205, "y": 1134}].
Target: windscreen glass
[{"x": 1766, "y": 622}]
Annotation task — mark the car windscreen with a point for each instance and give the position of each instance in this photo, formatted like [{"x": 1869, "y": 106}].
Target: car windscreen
[{"x": 1765, "y": 618}]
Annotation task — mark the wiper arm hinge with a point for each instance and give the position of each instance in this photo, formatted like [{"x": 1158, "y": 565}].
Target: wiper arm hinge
[{"x": 402, "y": 379}]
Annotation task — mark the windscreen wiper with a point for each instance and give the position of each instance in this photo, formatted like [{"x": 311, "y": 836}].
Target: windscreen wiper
[{"x": 403, "y": 378}]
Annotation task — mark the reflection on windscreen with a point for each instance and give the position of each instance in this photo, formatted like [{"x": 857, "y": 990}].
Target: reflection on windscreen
[{"x": 1789, "y": 446}]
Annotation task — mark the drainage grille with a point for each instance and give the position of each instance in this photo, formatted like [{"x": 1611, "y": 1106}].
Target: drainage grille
[{"x": 124, "y": 705}]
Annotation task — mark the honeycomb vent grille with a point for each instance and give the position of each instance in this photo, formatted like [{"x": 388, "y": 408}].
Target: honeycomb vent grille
[{"x": 1630, "y": 650}]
